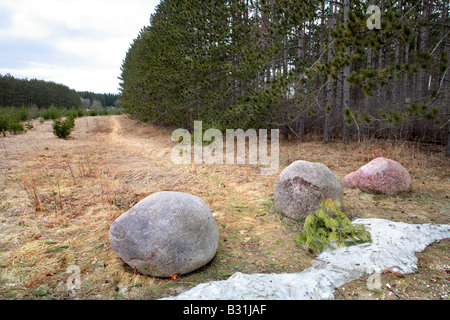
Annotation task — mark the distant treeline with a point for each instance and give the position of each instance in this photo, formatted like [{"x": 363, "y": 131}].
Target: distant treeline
[
  {"x": 105, "y": 99},
  {"x": 42, "y": 94}
]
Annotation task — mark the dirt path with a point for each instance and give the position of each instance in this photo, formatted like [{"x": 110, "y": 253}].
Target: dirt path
[{"x": 150, "y": 143}]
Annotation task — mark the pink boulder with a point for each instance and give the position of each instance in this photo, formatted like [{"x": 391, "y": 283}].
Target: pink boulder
[{"x": 381, "y": 175}]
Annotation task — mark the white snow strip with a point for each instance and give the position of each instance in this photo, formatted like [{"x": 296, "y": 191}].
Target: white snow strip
[{"x": 394, "y": 245}]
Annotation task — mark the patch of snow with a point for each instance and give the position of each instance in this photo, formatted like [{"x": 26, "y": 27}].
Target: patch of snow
[{"x": 393, "y": 245}]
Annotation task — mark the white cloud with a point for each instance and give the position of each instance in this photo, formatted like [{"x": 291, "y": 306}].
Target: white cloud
[{"x": 91, "y": 37}]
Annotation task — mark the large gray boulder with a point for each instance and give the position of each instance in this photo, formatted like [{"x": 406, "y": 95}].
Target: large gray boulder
[
  {"x": 303, "y": 186},
  {"x": 165, "y": 234}
]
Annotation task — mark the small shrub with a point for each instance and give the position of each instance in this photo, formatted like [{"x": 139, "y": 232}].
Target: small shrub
[
  {"x": 51, "y": 113},
  {"x": 29, "y": 125},
  {"x": 71, "y": 113},
  {"x": 118, "y": 111},
  {"x": 16, "y": 127},
  {"x": 92, "y": 113},
  {"x": 329, "y": 225},
  {"x": 80, "y": 112},
  {"x": 63, "y": 129},
  {"x": 10, "y": 122},
  {"x": 21, "y": 114},
  {"x": 103, "y": 112},
  {"x": 4, "y": 121}
]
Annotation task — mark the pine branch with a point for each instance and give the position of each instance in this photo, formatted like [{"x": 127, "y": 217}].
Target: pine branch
[{"x": 320, "y": 231}]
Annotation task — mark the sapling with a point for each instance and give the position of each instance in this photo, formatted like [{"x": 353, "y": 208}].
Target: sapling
[{"x": 62, "y": 129}]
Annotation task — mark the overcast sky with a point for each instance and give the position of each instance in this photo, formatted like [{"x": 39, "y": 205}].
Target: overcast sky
[{"x": 77, "y": 43}]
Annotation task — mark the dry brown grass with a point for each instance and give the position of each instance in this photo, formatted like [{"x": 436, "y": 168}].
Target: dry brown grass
[{"x": 59, "y": 198}]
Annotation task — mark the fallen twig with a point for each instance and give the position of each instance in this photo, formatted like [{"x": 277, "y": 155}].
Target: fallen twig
[{"x": 395, "y": 292}]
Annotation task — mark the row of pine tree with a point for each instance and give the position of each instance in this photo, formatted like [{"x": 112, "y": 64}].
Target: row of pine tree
[{"x": 337, "y": 68}]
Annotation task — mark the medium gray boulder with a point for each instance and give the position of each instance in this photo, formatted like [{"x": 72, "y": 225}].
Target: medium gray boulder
[
  {"x": 303, "y": 186},
  {"x": 165, "y": 234}
]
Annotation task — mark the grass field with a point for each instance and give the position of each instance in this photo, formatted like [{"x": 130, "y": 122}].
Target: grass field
[{"x": 59, "y": 197}]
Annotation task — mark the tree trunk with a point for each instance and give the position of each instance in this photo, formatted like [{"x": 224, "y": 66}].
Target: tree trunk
[
  {"x": 301, "y": 127},
  {"x": 419, "y": 89},
  {"x": 369, "y": 65},
  {"x": 405, "y": 77},
  {"x": 396, "y": 62},
  {"x": 448, "y": 141},
  {"x": 329, "y": 97},
  {"x": 345, "y": 84},
  {"x": 300, "y": 54}
]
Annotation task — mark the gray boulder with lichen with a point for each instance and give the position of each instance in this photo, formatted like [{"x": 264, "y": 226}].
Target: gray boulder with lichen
[{"x": 303, "y": 186}]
